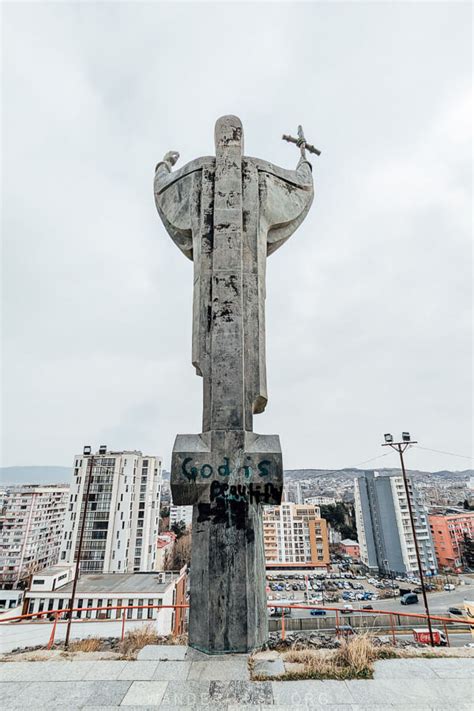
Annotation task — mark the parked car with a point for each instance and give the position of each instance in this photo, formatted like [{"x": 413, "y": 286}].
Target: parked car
[
  {"x": 318, "y": 612},
  {"x": 449, "y": 587},
  {"x": 367, "y": 607},
  {"x": 409, "y": 599},
  {"x": 455, "y": 611}
]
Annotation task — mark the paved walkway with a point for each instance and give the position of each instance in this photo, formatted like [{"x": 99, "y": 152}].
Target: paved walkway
[{"x": 189, "y": 681}]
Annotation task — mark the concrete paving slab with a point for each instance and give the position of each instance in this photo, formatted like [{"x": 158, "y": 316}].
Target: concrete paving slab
[
  {"x": 232, "y": 669},
  {"x": 138, "y": 671},
  {"x": 145, "y": 693},
  {"x": 460, "y": 668},
  {"x": 9, "y": 692},
  {"x": 47, "y": 694},
  {"x": 240, "y": 692},
  {"x": 398, "y": 693},
  {"x": 172, "y": 671},
  {"x": 310, "y": 693},
  {"x": 195, "y": 655},
  {"x": 403, "y": 669},
  {"x": 187, "y": 693},
  {"x": 13, "y": 671},
  {"x": 41, "y": 671},
  {"x": 269, "y": 667},
  {"x": 107, "y": 693},
  {"x": 163, "y": 652},
  {"x": 455, "y": 691},
  {"x": 106, "y": 670}
]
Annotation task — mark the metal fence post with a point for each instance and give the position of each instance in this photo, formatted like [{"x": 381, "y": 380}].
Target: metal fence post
[
  {"x": 53, "y": 632},
  {"x": 123, "y": 622}
]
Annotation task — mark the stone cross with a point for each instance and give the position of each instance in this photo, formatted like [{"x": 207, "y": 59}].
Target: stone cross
[
  {"x": 227, "y": 214},
  {"x": 301, "y": 143}
]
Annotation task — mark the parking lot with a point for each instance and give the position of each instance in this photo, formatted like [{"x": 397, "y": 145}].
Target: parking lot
[{"x": 348, "y": 590}]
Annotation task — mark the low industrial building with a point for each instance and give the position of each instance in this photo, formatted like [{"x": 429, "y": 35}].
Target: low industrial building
[{"x": 48, "y": 592}]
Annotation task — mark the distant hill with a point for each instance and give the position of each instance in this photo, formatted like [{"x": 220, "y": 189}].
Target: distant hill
[
  {"x": 35, "y": 475},
  {"x": 349, "y": 473}
]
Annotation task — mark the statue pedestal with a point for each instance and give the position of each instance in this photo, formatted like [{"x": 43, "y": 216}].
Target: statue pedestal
[{"x": 227, "y": 476}]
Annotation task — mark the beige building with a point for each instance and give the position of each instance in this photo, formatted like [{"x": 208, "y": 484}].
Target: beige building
[{"x": 295, "y": 535}]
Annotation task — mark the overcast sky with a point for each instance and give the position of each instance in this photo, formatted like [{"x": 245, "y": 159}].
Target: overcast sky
[{"x": 368, "y": 304}]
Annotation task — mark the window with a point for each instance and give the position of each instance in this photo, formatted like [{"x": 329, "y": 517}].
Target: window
[
  {"x": 38, "y": 582},
  {"x": 150, "y": 610},
  {"x": 118, "y": 614},
  {"x": 89, "y": 612},
  {"x": 108, "y": 614},
  {"x": 140, "y": 610},
  {"x": 129, "y": 611},
  {"x": 80, "y": 603}
]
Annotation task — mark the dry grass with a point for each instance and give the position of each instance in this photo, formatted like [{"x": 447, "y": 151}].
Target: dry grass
[
  {"x": 353, "y": 660},
  {"x": 91, "y": 644},
  {"x": 137, "y": 639},
  {"x": 356, "y": 654}
]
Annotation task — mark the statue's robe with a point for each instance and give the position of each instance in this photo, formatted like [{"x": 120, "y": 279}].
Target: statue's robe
[{"x": 275, "y": 202}]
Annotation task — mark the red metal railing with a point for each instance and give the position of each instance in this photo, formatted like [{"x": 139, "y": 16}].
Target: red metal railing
[
  {"x": 390, "y": 613},
  {"x": 285, "y": 606}
]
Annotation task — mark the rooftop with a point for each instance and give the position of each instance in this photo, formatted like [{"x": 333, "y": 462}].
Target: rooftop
[{"x": 122, "y": 583}]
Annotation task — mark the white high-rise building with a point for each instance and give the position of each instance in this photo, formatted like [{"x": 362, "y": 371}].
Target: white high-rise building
[
  {"x": 123, "y": 509},
  {"x": 181, "y": 513},
  {"x": 31, "y": 527},
  {"x": 383, "y": 525}
]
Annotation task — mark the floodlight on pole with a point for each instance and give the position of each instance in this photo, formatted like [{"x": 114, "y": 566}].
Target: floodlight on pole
[
  {"x": 388, "y": 438},
  {"x": 400, "y": 447}
]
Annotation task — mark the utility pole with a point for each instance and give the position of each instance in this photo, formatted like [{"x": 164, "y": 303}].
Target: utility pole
[
  {"x": 87, "y": 450},
  {"x": 400, "y": 447}
]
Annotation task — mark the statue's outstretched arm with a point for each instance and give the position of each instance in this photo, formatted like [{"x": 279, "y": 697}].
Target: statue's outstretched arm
[{"x": 169, "y": 159}]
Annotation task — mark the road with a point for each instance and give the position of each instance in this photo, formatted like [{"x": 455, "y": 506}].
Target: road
[{"x": 438, "y": 602}]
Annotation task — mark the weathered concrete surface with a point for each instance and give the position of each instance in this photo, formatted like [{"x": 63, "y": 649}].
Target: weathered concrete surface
[
  {"x": 227, "y": 214},
  {"x": 416, "y": 685}
]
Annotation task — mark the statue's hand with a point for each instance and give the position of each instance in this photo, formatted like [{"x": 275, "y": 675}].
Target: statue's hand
[{"x": 171, "y": 157}]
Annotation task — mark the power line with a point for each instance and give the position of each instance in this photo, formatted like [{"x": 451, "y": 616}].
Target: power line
[
  {"x": 354, "y": 466},
  {"x": 439, "y": 451}
]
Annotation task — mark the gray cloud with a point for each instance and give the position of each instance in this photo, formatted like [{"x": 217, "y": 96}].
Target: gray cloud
[{"x": 368, "y": 305}]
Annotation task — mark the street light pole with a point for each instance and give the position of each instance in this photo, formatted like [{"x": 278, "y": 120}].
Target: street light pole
[
  {"x": 400, "y": 447},
  {"x": 79, "y": 551}
]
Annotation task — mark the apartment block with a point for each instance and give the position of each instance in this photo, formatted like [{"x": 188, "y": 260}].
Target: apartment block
[
  {"x": 383, "y": 524},
  {"x": 181, "y": 513},
  {"x": 449, "y": 532},
  {"x": 121, "y": 525},
  {"x": 31, "y": 528},
  {"x": 295, "y": 535},
  {"x": 321, "y": 500}
]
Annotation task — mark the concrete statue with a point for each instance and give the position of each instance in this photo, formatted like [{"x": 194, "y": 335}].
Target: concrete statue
[{"x": 227, "y": 214}]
